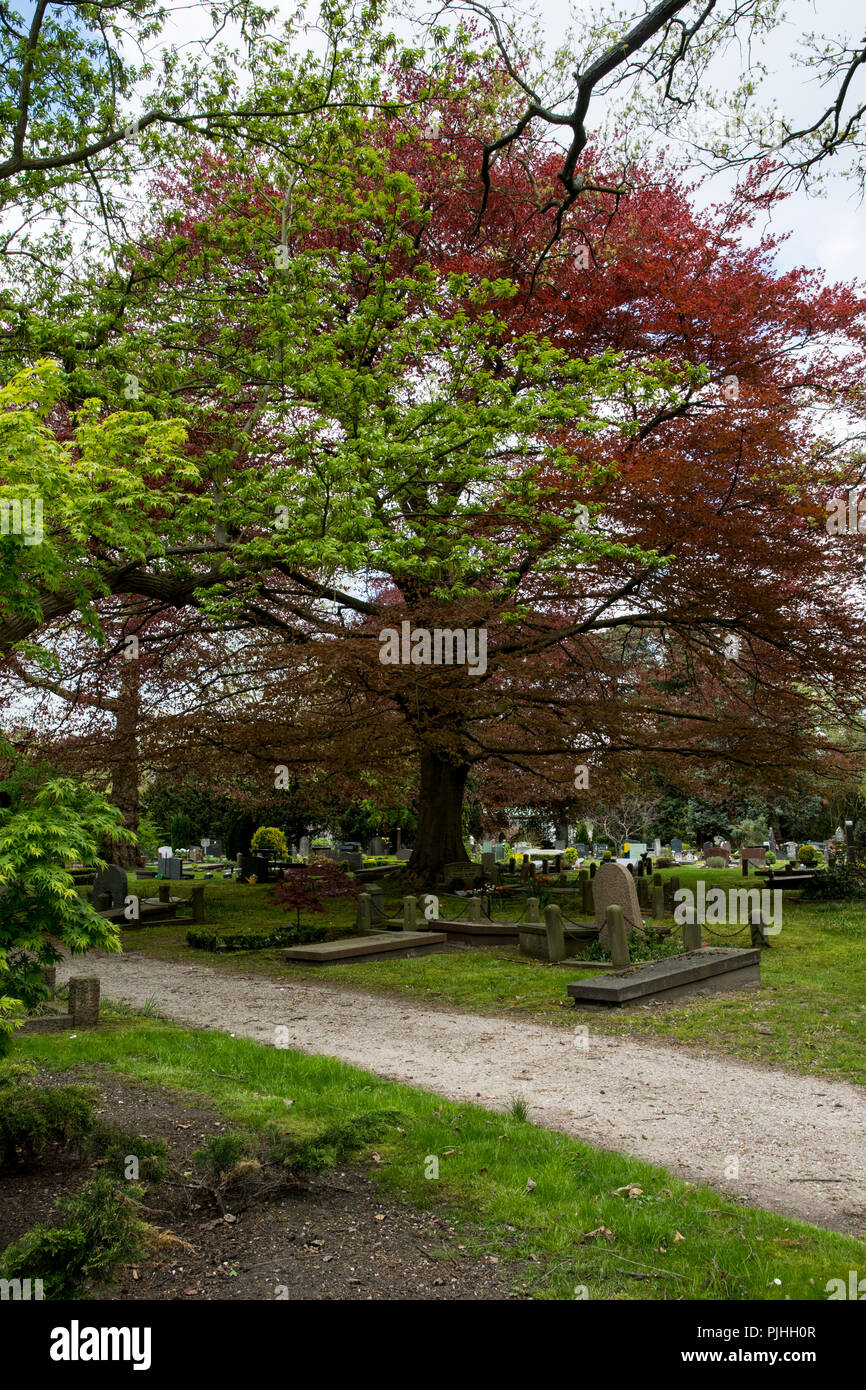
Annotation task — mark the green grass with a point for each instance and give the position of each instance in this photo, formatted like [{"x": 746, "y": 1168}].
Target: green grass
[
  {"x": 809, "y": 1014},
  {"x": 554, "y": 1231}
]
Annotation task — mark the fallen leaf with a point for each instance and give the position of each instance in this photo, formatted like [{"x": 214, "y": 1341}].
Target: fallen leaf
[
  {"x": 604, "y": 1231},
  {"x": 229, "y": 1218},
  {"x": 530, "y": 1185},
  {"x": 678, "y": 1237}
]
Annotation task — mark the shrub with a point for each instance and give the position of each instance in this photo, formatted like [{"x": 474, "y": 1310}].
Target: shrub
[
  {"x": 102, "y": 1230},
  {"x": 33, "y": 1118},
  {"x": 570, "y": 855},
  {"x": 607, "y": 855},
  {"x": 114, "y": 1147},
  {"x": 305, "y": 886},
  {"x": 664, "y": 861},
  {"x": 207, "y": 937},
  {"x": 807, "y": 854},
  {"x": 716, "y": 861},
  {"x": 838, "y": 883},
  {"x": 770, "y": 857},
  {"x": 270, "y": 837}
]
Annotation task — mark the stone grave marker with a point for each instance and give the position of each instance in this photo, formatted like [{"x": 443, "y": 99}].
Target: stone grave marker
[
  {"x": 305, "y": 847},
  {"x": 657, "y": 847},
  {"x": 113, "y": 881},
  {"x": 377, "y": 846},
  {"x": 676, "y": 845},
  {"x": 170, "y": 867},
  {"x": 613, "y": 886},
  {"x": 791, "y": 849}
]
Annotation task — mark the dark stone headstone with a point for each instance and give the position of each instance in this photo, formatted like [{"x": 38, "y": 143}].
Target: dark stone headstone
[
  {"x": 254, "y": 866},
  {"x": 676, "y": 845},
  {"x": 170, "y": 867},
  {"x": 111, "y": 880}
]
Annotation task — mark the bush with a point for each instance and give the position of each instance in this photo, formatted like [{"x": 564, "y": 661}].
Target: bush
[
  {"x": 664, "y": 861},
  {"x": 807, "y": 854},
  {"x": 839, "y": 883},
  {"x": 716, "y": 861},
  {"x": 270, "y": 837},
  {"x": 33, "y": 1118},
  {"x": 212, "y": 938},
  {"x": 114, "y": 1147},
  {"x": 570, "y": 856},
  {"x": 101, "y": 1231},
  {"x": 770, "y": 857}
]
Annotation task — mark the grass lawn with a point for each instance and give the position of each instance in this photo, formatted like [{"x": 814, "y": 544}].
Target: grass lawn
[
  {"x": 571, "y": 1231},
  {"x": 808, "y": 1015}
]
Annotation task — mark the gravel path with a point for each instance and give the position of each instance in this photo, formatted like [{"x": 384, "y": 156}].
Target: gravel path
[{"x": 689, "y": 1112}]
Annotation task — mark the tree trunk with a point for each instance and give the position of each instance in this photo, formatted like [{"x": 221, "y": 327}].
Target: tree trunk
[
  {"x": 125, "y": 761},
  {"x": 439, "y": 839}
]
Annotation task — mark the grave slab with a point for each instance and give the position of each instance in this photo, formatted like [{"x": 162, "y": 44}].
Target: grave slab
[
  {"x": 708, "y": 970},
  {"x": 378, "y": 946}
]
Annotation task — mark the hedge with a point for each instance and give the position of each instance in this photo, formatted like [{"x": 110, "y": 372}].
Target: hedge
[{"x": 213, "y": 938}]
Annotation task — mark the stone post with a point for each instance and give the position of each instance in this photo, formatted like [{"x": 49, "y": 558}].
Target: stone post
[
  {"x": 164, "y": 891},
  {"x": 586, "y": 904},
  {"x": 592, "y": 868},
  {"x": 377, "y": 907},
  {"x": 363, "y": 918},
  {"x": 555, "y": 934},
  {"x": 410, "y": 919},
  {"x": 474, "y": 909},
  {"x": 49, "y": 977},
  {"x": 84, "y": 1000},
  {"x": 103, "y": 902},
  {"x": 691, "y": 931},
  {"x": 532, "y": 910},
  {"x": 658, "y": 908},
  {"x": 198, "y": 902},
  {"x": 642, "y": 887},
  {"x": 617, "y": 937}
]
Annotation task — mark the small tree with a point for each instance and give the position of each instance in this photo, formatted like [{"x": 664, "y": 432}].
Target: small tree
[
  {"x": 303, "y": 887},
  {"x": 46, "y": 825}
]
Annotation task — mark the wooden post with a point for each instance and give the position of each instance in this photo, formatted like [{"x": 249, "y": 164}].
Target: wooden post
[
  {"x": 555, "y": 934},
  {"x": 617, "y": 936},
  {"x": 198, "y": 902}
]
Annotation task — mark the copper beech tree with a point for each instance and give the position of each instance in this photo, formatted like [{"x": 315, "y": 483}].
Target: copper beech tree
[{"x": 614, "y": 463}]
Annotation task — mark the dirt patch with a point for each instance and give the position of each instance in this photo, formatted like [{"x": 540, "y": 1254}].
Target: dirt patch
[{"x": 337, "y": 1238}]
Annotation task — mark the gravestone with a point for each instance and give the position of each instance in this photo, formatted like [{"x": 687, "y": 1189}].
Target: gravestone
[
  {"x": 719, "y": 852},
  {"x": 500, "y": 852},
  {"x": 581, "y": 851},
  {"x": 676, "y": 845},
  {"x": 486, "y": 848},
  {"x": 636, "y": 849},
  {"x": 305, "y": 847},
  {"x": 113, "y": 881},
  {"x": 377, "y": 846},
  {"x": 254, "y": 866},
  {"x": 215, "y": 849},
  {"x": 613, "y": 886},
  {"x": 164, "y": 852},
  {"x": 707, "y": 846},
  {"x": 560, "y": 846},
  {"x": 196, "y": 854},
  {"x": 791, "y": 849},
  {"x": 170, "y": 867},
  {"x": 657, "y": 847},
  {"x": 352, "y": 860},
  {"x": 771, "y": 841},
  {"x": 488, "y": 867}
]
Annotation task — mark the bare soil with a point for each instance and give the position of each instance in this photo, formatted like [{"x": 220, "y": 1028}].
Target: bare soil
[{"x": 337, "y": 1238}]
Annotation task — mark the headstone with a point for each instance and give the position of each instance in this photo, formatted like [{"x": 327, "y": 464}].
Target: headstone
[
  {"x": 352, "y": 859},
  {"x": 719, "y": 852},
  {"x": 752, "y": 854},
  {"x": 170, "y": 867},
  {"x": 196, "y": 854},
  {"x": 113, "y": 881},
  {"x": 636, "y": 849},
  {"x": 791, "y": 849},
  {"x": 488, "y": 866},
  {"x": 305, "y": 847},
  {"x": 254, "y": 866},
  {"x": 707, "y": 846},
  {"x": 839, "y": 835},
  {"x": 215, "y": 849},
  {"x": 657, "y": 847},
  {"x": 559, "y": 845},
  {"x": 164, "y": 852},
  {"x": 772, "y": 840},
  {"x": 676, "y": 845},
  {"x": 614, "y": 886},
  {"x": 377, "y": 846},
  {"x": 84, "y": 1000},
  {"x": 581, "y": 851},
  {"x": 486, "y": 847}
]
